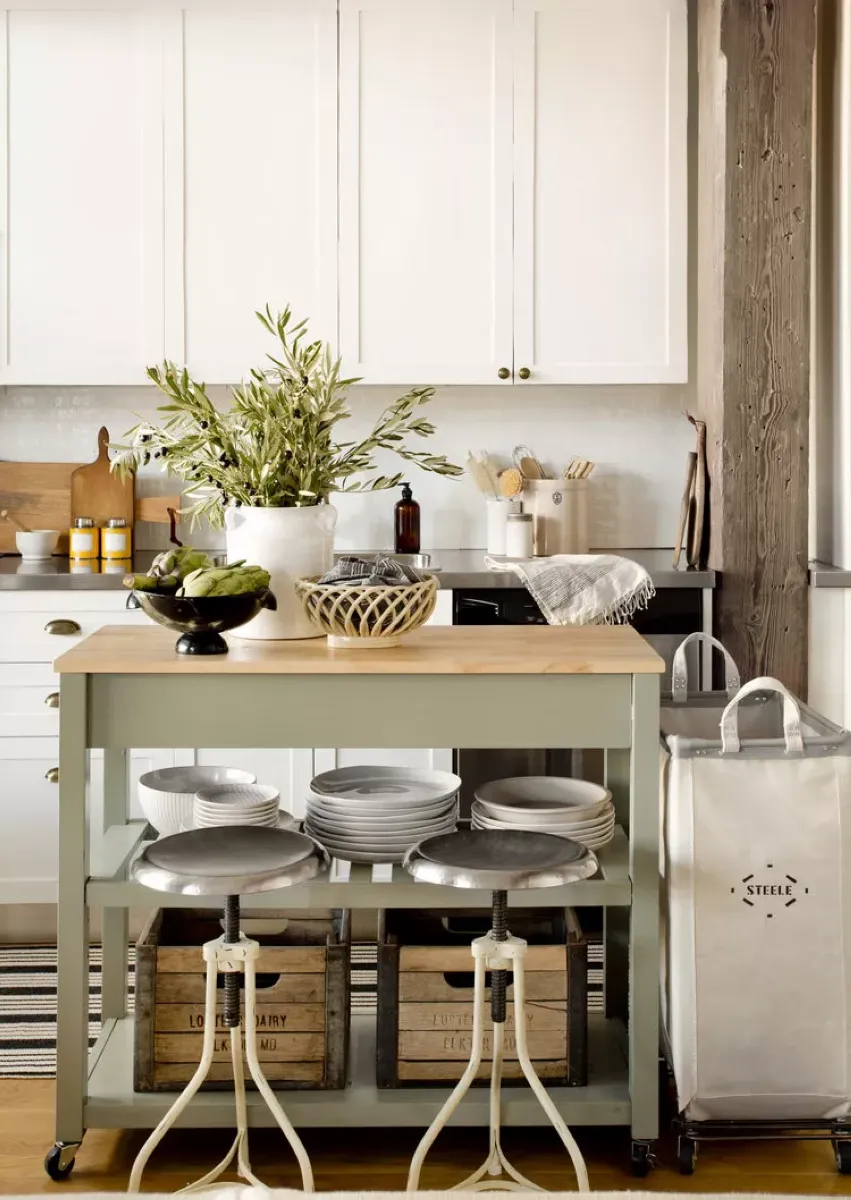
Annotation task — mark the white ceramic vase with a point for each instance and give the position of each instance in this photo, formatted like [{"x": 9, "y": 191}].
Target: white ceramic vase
[{"x": 288, "y": 542}]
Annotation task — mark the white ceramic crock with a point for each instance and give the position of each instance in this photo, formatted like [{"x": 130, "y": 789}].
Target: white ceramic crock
[{"x": 287, "y": 542}]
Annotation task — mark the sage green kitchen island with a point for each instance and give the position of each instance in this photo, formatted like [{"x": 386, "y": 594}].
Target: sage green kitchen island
[{"x": 467, "y": 687}]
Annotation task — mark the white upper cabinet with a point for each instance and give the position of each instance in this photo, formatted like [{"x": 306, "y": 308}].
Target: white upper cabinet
[
  {"x": 425, "y": 189},
  {"x": 600, "y": 205},
  {"x": 255, "y": 180},
  {"x": 81, "y": 213}
]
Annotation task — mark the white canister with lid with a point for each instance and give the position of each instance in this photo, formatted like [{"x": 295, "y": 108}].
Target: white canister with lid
[
  {"x": 518, "y": 535},
  {"x": 499, "y": 508}
]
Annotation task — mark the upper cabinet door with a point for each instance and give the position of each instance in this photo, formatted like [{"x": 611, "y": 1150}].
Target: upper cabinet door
[
  {"x": 425, "y": 190},
  {"x": 251, "y": 200},
  {"x": 81, "y": 212},
  {"x": 600, "y": 208}
]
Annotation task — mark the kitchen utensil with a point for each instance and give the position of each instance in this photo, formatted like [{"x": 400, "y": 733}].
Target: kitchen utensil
[
  {"x": 578, "y": 468},
  {"x": 201, "y": 619},
  {"x": 389, "y": 786},
  {"x": 481, "y": 476},
  {"x": 527, "y": 463},
  {"x": 543, "y": 794},
  {"x": 39, "y": 496},
  {"x": 236, "y": 804},
  {"x": 5, "y": 515},
  {"x": 511, "y": 482},
  {"x": 368, "y": 616},
  {"x": 695, "y": 547},
  {"x": 167, "y": 796},
  {"x": 97, "y": 493},
  {"x": 685, "y": 503},
  {"x": 36, "y": 544}
]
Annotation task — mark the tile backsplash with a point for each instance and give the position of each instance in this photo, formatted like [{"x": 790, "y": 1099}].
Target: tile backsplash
[{"x": 638, "y": 435}]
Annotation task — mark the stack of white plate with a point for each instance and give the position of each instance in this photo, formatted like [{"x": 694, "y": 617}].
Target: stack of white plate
[
  {"x": 239, "y": 804},
  {"x": 570, "y": 808},
  {"x": 375, "y": 814}
]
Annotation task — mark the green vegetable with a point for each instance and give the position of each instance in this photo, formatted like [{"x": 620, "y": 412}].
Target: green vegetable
[
  {"x": 180, "y": 561},
  {"x": 152, "y": 583},
  {"x": 231, "y": 580}
]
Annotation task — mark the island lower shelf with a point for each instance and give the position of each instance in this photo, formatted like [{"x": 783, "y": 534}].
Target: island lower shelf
[{"x": 112, "y": 1104}]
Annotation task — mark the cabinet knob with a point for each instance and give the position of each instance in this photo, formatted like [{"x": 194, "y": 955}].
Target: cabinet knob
[
  {"x": 503, "y": 372},
  {"x": 52, "y": 776},
  {"x": 524, "y": 372},
  {"x": 62, "y": 627},
  {"x": 52, "y": 701}
]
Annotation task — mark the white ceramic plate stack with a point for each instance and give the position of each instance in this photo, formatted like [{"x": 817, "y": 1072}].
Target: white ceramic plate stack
[
  {"x": 375, "y": 814},
  {"x": 240, "y": 804},
  {"x": 570, "y": 808}
]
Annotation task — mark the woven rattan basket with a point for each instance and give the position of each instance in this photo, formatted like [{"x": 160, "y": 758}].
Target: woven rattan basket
[{"x": 369, "y": 616}]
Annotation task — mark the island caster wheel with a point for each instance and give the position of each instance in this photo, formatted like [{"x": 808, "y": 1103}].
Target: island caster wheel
[
  {"x": 842, "y": 1150},
  {"x": 686, "y": 1154},
  {"x": 59, "y": 1161},
  {"x": 642, "y": 1159}
]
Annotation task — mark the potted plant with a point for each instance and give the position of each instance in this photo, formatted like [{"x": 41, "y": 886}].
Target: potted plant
[{"x": 266, "y": 468}]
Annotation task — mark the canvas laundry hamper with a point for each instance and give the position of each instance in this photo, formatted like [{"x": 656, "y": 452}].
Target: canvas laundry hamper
[{"x": 756, "y": 795}]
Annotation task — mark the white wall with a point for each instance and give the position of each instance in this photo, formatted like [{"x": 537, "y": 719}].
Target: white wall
[{"x": 638, "y": 435}]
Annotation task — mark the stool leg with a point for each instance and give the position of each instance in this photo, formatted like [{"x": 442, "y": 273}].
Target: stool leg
[
  {"x": 262, "y": 1085},
  {"x": 191, "y": 1088},
  {"x": 462, "y": 1087},
  {"x": 535, "y": 1083}
]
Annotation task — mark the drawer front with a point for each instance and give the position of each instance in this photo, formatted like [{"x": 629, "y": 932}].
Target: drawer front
[
  {"x": 29, "y": 815},
  {"x": 29, "y": 711},
  {"x": 38, "y": 637}
]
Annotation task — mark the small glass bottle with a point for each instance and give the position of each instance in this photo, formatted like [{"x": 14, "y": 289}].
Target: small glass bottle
[
  {"x": 407, "y": 514},
  {"x": 116, "y": 539},
  {"x": 518, "y": 535},
  {"x": 83, "y": 539}
]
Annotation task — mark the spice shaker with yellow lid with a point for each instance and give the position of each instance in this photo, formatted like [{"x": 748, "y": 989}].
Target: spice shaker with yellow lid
[
  {"x": 116, "y": 539},
  {"x": 83, "y": 539}
]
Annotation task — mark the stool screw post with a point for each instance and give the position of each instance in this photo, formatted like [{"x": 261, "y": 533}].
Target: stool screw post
[
  {"x": 231, "y": 930},
  {"x": 499, "y": 933}
]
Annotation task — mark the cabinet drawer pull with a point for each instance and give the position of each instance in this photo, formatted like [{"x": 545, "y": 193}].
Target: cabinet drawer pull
[
  {"x": 52, "y": 776},
  {"x": 62, "y": 627},
  {"x": 503, "y": 372},
  {"x": 524, "y": 372},
  {"x": 52, "y": 701}
]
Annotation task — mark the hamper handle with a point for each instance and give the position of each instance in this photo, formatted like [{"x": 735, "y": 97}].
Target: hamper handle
[
  {"x": 679, "y": 672},
  {"x": 730, "y": 743}
]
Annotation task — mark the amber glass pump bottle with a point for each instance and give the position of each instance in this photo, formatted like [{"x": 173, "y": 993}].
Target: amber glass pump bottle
[{"x": 407, "y": 539}]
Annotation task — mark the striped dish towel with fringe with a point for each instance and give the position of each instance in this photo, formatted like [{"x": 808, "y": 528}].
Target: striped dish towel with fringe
[{"x": 582, "y": 589}]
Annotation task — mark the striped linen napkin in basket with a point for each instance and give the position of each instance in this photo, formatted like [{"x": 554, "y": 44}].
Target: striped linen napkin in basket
[{"x": 582, "y": 589}]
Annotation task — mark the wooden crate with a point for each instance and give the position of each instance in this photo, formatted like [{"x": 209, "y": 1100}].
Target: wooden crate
[
  {"x": 425, "y": 997},
  {"x": 302, "y": 1016}
]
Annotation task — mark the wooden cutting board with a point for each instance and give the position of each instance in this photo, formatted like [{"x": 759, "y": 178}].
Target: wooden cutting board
[
  {"x": 97, "y": 493},
  {"x": 39, "y": 495}
]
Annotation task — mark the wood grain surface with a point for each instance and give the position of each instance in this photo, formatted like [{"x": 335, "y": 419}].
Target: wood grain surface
[
  {"x": 39, "y": 495},
  {"x": 754, "y": 220},
  {"x": 437, "y": 650},
  {"x": 378, "y": 1159},
  {"x": 97, "y": 493}
]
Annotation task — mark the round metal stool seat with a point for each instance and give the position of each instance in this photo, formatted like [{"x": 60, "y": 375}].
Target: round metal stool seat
[
  {"x": 500, "y": 860},
  {"x": 231, "y": 860}
]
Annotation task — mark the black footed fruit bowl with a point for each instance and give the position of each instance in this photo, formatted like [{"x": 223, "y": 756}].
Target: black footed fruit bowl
[{"x": 201, "y": 619}]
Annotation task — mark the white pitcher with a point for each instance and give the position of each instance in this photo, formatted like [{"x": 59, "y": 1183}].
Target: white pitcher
[{"x": 287, "y": 542}]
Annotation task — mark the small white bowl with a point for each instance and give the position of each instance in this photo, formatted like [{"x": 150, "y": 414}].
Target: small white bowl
[
  {"x": 236, "y": 804},
  {"x": 37, "y": 543},
  {"x": 166, "y": 796}
]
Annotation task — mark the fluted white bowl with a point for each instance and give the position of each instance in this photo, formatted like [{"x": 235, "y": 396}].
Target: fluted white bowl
[{"x": 166, "y": 796}]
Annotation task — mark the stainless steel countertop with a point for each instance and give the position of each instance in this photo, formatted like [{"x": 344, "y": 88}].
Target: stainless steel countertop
[
  {"x": 825, "y": 575},
  {"x": 458, "y": 569}
]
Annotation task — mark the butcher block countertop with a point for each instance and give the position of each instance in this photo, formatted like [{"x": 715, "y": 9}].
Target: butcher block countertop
[{"x": 437, "y": 650}]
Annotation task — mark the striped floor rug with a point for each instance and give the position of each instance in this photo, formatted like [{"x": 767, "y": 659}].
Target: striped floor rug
[{"x": 28, "y": 1004}]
